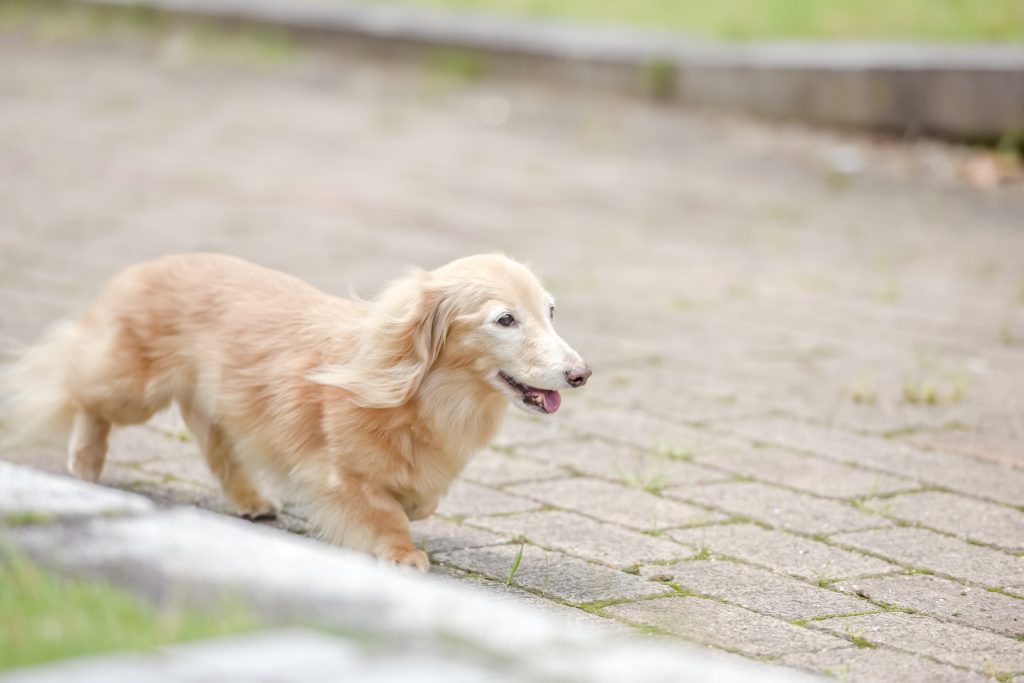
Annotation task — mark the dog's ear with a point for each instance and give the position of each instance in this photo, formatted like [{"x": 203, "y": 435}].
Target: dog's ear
[{"x": 398, "y": 343}]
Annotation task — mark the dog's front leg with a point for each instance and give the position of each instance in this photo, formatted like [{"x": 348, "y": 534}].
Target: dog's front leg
[{"x": 358, "y": 515}]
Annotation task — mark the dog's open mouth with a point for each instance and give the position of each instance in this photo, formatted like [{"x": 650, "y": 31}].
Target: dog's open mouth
[{"x": 544, "y": 400}]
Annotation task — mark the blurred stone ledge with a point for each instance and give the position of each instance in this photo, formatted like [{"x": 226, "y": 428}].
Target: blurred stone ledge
[
  {"x": 960, "y": 91},
  {"x": 378, "y": 621}
]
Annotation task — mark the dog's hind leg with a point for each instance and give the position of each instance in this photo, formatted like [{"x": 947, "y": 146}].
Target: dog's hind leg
[
  {"x": 235, "y": 482},
  {"x": 87, "y": 448}
]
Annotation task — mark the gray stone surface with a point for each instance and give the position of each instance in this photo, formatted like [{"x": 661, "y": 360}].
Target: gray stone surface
[
  {"x": 757, "y": 589},
  {"x": 779, "y": 508},
  {"x": 962, "y": 646},
  {"x": 976, "y": 443},
  {"x": 552, "y": 573},
  {"x": 583, "y": 537},
  {"x": 630, "y": 507},
  {"x": 781, "y": 552},
  {"x": 28, "y": 495},
  {"x": 972, "y": 477},
  {"x": 565, "y": 612},
  {"x": 649, "y": 432},
  {"x": 945, "y": 599},
  {"x": 807, "y": 473},
  {"x": 877, "y": 664},
  {"x": 923, "y": 549},
  {"x": 496, "y": 469},
  {"x": 713, "y": 623},
  {"x": 465, "y": 499},
  {"x": 436, "y": 535},
  {"x": 964, "y": 517},
  {"x": 630, "y": 465}
]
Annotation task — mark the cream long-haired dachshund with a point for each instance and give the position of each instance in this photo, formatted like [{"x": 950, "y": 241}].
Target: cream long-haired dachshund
[{"x": 365, "y": 410}]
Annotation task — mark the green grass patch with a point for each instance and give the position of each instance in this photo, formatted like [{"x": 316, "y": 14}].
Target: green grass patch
[
  {"x": 27, "y": 518},
  {"x": 46, "y": 617},
  {"x": 934, "y": 20}
]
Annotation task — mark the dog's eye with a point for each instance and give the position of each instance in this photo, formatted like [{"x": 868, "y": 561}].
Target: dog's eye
[
  {"x": 506, "y": 320},
  {"x": 551, "y": 312}
]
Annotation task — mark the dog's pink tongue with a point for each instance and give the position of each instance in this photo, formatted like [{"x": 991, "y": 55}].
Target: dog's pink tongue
[{"x": 552, "y": 399}]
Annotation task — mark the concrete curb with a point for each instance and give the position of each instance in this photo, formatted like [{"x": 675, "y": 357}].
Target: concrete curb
[{"x": 954, "y": 91}]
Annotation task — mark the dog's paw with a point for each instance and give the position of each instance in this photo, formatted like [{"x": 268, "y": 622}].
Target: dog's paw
[
  {"x": 84, "y": 471},
  {"x": 256, "y": 510},
  {"x": 406, "y": 557}
]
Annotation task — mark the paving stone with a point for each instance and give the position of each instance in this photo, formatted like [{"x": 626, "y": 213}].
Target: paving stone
[
  {"x": 27, "y": 495},
  {"x": 941, "y": 469},
  {"x": 807, "y": 473},
  {"x": 975, "y": 443},
  {"x": 153, "y": 452},
  {"x": 584, "y": 537},
  {"x": 923, "y": 549},
  {"x": 554, "y": 574},
  {"x": 779, "y": 507},
  {"x": 757, "y": 589},
  {"x": 945, "y": 599},
  {"x": 145, "y": 445},
  {"x": 616, "y": 503},
  {"x": 634, "y": 428},
  {"x": 436, "y": 535},
  {"x": 878, "y": 664},
  {"x": 963, "y": 646},
  {"x": 958, "y": 515},
  {"x": 465, "y": 499},
  {"x": 662, "y": 396},
  {"x": 713, "y": 623},
  {"x": 568, "y": 614},
  {"x": 781, "y": 551},
  {"x": 495, "y": 469},
  {"x": 629, "y": 464},
  {"x": 524, "y": 430}
]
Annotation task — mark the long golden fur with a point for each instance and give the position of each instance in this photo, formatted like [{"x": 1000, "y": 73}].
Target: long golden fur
[{"x": 365, "y": 410}]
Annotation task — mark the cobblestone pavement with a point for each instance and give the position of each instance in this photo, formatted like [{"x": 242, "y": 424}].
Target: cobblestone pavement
[{"x": 804, "y": 438}]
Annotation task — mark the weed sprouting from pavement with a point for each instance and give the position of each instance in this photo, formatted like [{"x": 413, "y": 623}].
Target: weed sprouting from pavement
[
  {"x": 651, "y": 482},
  {"x": 889, "y": 293},
  {"x": 1006, "y": 337},
  {"x": 673, "y": 452},
  {"x": 863, "y": 390},
  {"x": 860, "y": 641},
  {"x": 515, "y": 565}
]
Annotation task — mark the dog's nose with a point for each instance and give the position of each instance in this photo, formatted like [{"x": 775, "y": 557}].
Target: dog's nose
[{"x": 577, "y": 375}]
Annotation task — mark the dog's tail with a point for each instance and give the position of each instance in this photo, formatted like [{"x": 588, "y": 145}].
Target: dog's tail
[{"x": 36, "y": 401}]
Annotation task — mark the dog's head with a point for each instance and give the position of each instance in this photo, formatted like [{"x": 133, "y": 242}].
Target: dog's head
[
  {"x": 487, "y": 315},
  {"x": 501, "y": 324}
]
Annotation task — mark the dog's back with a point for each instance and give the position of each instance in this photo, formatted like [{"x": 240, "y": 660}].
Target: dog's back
[{"x": 184, "y": 327}]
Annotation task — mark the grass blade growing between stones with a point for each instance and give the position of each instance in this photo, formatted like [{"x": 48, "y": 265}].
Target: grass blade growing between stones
[{"x": 515, "y": 565}]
